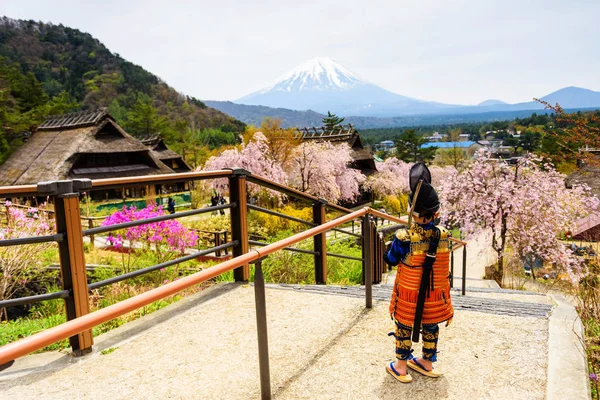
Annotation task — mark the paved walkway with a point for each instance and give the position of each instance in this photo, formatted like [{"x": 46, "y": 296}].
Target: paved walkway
[{"x": 322, "y": 345}]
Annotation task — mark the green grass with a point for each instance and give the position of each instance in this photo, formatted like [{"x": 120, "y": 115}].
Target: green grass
[{"x": 108, "y": 351}]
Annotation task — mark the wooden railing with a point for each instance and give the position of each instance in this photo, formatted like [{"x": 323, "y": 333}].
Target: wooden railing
[{"x": 69, "y": 236}]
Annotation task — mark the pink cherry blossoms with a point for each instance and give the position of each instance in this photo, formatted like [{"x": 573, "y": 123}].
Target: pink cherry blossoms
[
  {"x": 526, "y": 207},
  {"x": 321, "y": 169},
  {"x": 392, "y": 177},
  {"x": 317, "y": 168},
  {"x": 254, "y": 157}
]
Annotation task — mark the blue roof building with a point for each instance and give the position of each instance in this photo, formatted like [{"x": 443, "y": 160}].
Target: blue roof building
[{"x": 449, "y": 145}]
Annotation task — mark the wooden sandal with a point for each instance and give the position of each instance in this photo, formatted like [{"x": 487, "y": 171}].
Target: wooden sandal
[
  {"x": 415, "y": 365},
  {"x": 402, "y": 378}
]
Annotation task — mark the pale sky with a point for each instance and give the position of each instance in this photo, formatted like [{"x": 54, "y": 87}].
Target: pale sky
[{"x": 452, "y": 51}]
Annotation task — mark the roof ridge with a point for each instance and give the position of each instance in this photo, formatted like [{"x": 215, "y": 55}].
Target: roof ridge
[{"x": 75, "y": 119}]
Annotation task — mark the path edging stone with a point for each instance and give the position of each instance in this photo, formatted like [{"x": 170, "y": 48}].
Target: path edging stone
[{"x": 567, "y": 360}]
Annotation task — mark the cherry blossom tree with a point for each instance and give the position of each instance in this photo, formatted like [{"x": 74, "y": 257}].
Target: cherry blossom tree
[
  {"x": 19, "y": 264},
  {"x": 391, "y": 177},
  {"x": 321, "y": 169},
  {"x": 255, "y": 157},
  {"x": 525, "y": 206}
]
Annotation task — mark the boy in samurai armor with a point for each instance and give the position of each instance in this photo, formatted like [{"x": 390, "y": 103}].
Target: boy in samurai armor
[{"x": 421, "y": 294}]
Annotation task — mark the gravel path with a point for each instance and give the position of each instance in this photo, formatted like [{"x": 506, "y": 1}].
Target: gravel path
[{"x": 321, "y": 346}]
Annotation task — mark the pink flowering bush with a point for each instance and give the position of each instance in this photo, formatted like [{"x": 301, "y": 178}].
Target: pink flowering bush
[
  {"x": 526, "y": 207},
  {"x": 19, "y": 264},
  {"x": 165, "y": 238}
]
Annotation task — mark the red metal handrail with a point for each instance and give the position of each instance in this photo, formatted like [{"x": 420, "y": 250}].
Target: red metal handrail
[{"x": 35, "y": 342}]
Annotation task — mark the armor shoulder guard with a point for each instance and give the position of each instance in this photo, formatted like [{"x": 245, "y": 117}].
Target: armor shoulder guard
[
  {"x": 403, "y": 235},
  {"x": 444, "y": 234}
]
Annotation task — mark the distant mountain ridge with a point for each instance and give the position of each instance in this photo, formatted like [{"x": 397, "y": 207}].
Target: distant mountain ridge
[
  {"x": 61, "y": 60},
  {"x": 253, "y": 115},
  {"x": 322, "y": 85}
]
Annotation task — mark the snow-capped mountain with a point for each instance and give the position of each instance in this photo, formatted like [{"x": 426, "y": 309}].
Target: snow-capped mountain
[
  {"x": 322, "y": 84},
  {"x": 318, "y": 74}
]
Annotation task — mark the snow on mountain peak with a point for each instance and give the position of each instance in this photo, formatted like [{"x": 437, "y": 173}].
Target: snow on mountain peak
[{"x": 316, "y": 74}]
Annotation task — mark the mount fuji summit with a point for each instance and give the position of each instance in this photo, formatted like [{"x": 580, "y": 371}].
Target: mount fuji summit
[{"x": 321, "y": 84}]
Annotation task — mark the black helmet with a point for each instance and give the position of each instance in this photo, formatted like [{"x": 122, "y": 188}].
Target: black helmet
[{"x": 427, "y": 201}]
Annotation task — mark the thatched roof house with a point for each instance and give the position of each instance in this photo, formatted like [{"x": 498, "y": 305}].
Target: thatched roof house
[
  {"x": 362, "y": 159},
  {"x": 585, "y": 175},
  {"x": 87, "y": 144},
  {"x": 170, "y": 158}
]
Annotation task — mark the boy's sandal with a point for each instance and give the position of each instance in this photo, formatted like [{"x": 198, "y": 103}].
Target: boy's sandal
[
  {"x": 402, "y": 378},
  {"x": 415, "y": 365}
]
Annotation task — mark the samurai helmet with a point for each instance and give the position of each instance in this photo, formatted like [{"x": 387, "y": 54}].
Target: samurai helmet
[{"x": 427, "y": 201}]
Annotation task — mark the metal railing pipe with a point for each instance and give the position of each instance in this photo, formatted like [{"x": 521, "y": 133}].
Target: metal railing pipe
[
  {"x": 63, "y": 294},
  {"x": 59, "y": 237},
  {"x": 344, "y": 256},
  {"x": 39, "y": 340},
  {"x": 18, "y": 191},
  {"x": 273, "y": 247},
  {"x": 292, "y": 192},
  {"x": 152, "y": 268},
  {"x": 99, "y": 184},
  {"x": 292, "y": 249},
  {"x": 278, "y": 214}
]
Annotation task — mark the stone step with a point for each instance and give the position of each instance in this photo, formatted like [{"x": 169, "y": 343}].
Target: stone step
[{"x": 466, "y": 303}]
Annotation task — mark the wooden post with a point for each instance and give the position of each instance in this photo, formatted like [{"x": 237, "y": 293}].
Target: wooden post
[
  {"x": 367, "y": 250},
  {"x": 217, "y": 236},
  {"x": 320, "y": 243},
  {"x": 464, "y": 270},
  {"x": 72, "y": 261},
  {"x": 239, "y": 220},
  {"x": 90, "y": 226},
  {"x": 451, "y": 265},
  {"x": 261, "y": 330}
]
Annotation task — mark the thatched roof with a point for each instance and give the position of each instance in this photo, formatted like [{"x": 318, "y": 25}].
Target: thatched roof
[
  {"x": 361, "y": 158},
  {"x": 67, "y": 146},
  {"x": 74, "y": 120},
  {"x": 339, "y": 133},
  {"x": 585, "y": 175},
  {"x": 160, "y": 150}
]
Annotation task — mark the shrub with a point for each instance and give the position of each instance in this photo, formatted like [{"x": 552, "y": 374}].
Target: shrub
[{"x": 396, "y": 204}]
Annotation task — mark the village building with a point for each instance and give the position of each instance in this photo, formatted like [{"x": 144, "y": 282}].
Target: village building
[
  {"x": 466, "y": 150},
  {"x": 437, "y": 137},
  {"x": 386, "y": 145},
  {"x": 86, "y": 144}
]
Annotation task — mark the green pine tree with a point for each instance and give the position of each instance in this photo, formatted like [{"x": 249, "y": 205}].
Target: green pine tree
[
  {"x": 331, "y": 121},
  {"x": 408, "y": 147}
]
